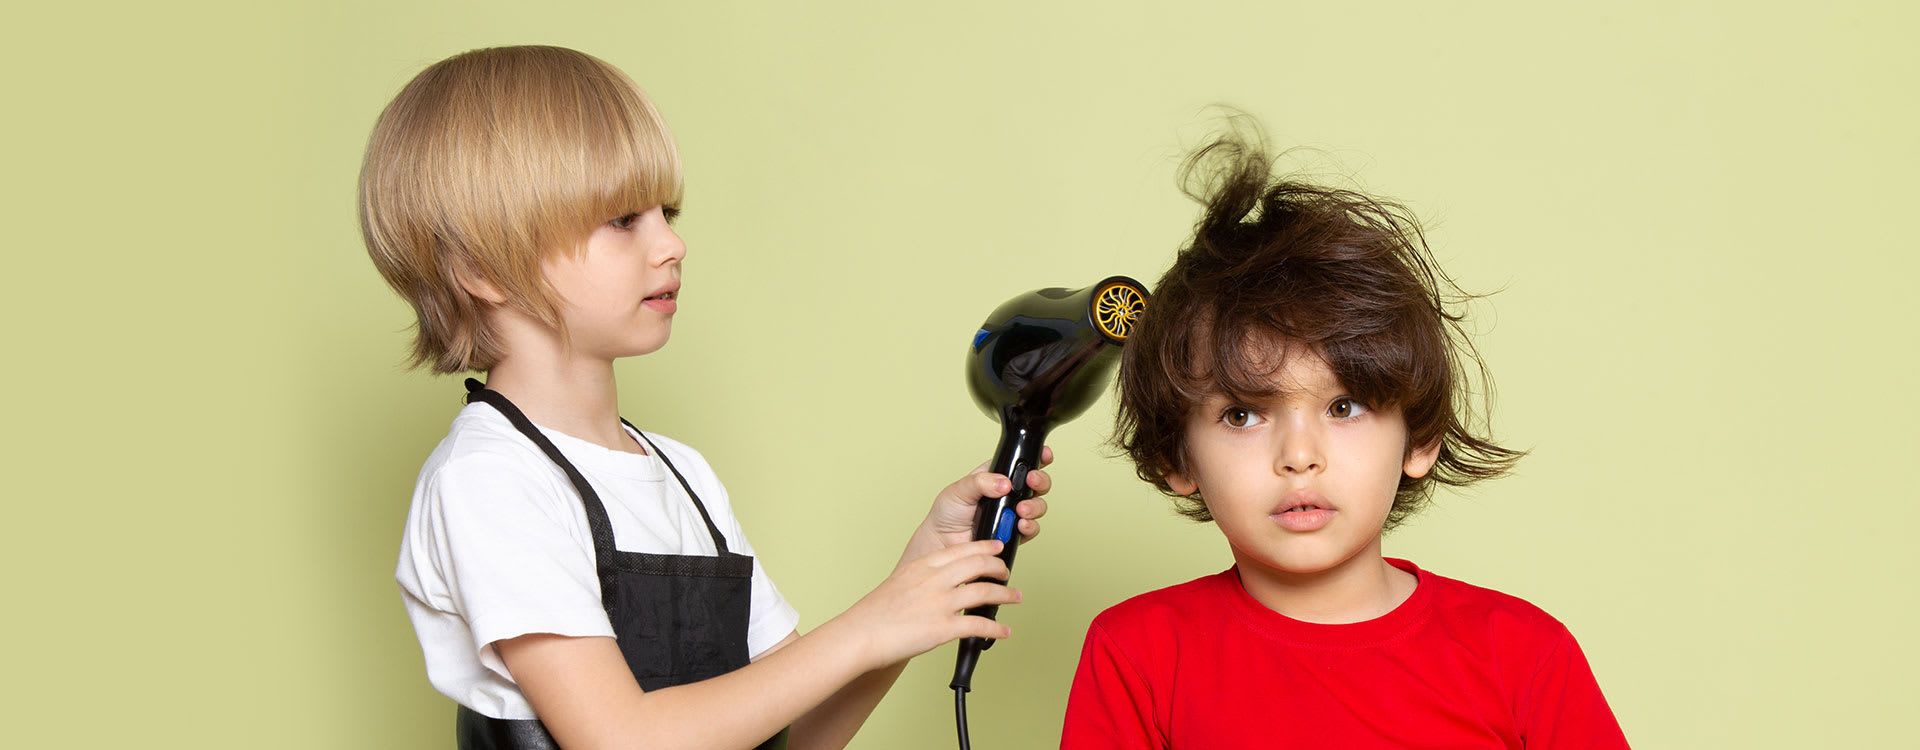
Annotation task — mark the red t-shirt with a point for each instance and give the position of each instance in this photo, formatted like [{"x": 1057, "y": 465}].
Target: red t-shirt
[{"x": 1202, "y": 665}]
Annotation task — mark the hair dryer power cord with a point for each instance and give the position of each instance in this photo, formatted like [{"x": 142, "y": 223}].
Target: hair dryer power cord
[{"x": 960, "y": 715}]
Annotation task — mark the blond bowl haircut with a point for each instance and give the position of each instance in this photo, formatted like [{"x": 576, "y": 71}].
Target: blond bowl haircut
[{"x": 488, "y": 163}]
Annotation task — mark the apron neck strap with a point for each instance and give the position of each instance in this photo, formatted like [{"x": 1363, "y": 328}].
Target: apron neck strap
[
  {"x": 597, "y": 520},
  {"x": 719, "y": 541}
]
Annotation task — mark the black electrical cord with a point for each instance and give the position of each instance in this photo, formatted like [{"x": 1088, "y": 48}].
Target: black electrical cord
[
  {"x": 963, "y": 663},
  {"x": 960, "y": 715}
]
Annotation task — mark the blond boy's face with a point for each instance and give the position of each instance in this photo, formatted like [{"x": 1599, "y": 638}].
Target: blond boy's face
[
  {"x": 619, "y": 295},
  {"x": 1300, "y": 483}
]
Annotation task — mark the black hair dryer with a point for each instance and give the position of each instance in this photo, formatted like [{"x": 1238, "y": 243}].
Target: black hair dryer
[{"x": 1040, "y": 359}]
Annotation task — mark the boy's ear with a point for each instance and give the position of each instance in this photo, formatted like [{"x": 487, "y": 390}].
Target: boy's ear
[
  {"x": 478, "y": 286},
  {"x": 1180, "y": 484},
  {"x": 1420, "y": 460}
]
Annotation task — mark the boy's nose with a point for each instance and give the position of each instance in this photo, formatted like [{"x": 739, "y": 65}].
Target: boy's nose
[
  {"x": 1300, "y": 465},
  {"x": 673, "y": 249},
  {"x": 1300, "y": 453}
]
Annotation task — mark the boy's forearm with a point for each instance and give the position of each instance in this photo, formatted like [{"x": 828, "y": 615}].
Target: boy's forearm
[
  {"x": 832, "y": 724},
  {"x": 582, "y": 689},
  {"x": 815, "y": 683}
]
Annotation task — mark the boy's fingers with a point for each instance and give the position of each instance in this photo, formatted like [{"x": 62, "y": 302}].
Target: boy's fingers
[
  {"x": 1039, "y": 481},
  {"x": 980, "y": 627},
  {"x": 983, "y": 593},
  {"x": 1031, "y": 508},
  {"x": 981, "y": 483},
  {"x": 946, "y": 556},
  {"x": 974, "y": 568},
  {"x": 985, "y": 567},
  {"x": 988, "y": 484},
  {"x": 1046, "y": 458},
  {"x": 1030, "y": 512}
]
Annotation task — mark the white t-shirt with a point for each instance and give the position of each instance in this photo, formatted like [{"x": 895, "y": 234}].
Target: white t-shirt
[{"x": 497, "y": 545}]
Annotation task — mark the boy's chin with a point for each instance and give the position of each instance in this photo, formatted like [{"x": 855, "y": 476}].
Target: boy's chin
[
  {"x": 1304, "y": 560},
  {"x": 642, "y": 348}
]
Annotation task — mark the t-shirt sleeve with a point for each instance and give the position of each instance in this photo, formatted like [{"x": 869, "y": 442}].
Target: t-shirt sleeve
[
  {"x": 771, "y": 617},
  {"x": 1563, "y": 708},
  {"x": 1111, "y": 702},
  {"x": 510, "y": 550}
]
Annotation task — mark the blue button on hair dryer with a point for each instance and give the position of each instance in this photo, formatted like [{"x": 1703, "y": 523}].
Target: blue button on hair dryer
[{"x": 1041, "y": 359}]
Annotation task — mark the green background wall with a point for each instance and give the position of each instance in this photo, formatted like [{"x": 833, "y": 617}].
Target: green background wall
[{"x": 1699, "y": 215}]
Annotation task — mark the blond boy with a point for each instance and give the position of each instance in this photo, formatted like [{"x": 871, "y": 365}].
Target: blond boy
[{"x": 573, "y": 580}]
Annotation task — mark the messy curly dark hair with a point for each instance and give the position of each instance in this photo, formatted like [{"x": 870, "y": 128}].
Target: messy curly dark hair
[{"x": 1277, "y": 264}]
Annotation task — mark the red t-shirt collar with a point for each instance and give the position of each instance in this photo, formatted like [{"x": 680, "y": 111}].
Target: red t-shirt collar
[{"x": 1378, "y": 631}]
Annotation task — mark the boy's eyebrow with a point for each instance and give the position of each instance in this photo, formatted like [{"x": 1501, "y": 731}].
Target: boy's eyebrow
[{"x": 1221, "y": 390}]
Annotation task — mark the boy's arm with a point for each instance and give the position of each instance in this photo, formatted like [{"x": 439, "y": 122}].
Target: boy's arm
[
  {"x": 1564, "y": 707},
  {"x": 1111, "y": 703},
  {"x": 585, "y": 694},
  {"x": 832, "y": 724}
]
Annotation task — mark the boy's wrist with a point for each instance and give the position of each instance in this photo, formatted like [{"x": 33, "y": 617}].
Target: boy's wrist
[
  {"x": 844, "y": 638},
  {"x": 924, "y": 541}
]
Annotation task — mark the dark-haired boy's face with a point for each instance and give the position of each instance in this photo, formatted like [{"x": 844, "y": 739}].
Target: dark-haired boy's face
[{"x": 1301, "y": 481}]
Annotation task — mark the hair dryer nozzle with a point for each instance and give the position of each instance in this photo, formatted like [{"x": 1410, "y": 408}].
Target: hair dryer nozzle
[{"x": 1117, "y": 303}]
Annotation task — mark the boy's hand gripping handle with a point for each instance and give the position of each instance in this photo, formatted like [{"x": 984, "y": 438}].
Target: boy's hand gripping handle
[{"x": 996, "y": 518}]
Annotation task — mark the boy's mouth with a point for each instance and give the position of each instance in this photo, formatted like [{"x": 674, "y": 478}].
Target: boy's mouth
[
  {"x": 1303, "y": 510},
  {"x": 664, "y": 302},
  {"x": 1301, "y": 501},
  {"x": 671, "y": 291}
]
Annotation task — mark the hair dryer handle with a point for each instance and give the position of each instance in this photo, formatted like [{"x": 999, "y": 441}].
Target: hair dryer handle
[{"x": 996, "y": 518}]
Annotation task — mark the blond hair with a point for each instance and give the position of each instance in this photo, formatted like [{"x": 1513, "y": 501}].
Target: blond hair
[{"x": 486, "y": 164}]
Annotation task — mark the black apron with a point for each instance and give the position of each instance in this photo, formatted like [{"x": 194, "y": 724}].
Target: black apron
[{"x": 678, "y": 618}]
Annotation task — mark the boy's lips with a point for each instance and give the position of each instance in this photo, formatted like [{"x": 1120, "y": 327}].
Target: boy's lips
[
  {"x": 666, "y": 301},
  {"x": 1303, "y": 510}
]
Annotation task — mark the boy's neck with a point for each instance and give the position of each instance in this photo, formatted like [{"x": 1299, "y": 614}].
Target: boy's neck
[
  {"x": 572, "y": 395},
  {"x": 1362, "y": 588}
]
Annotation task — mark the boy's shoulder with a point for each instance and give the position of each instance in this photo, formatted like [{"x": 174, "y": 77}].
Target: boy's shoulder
[
  {"x": 1170, "y": 607},
  {"x": 480, "y": 436},
  {"x": 1458, "y": 601},
  {"x": 484, "y": 469}
]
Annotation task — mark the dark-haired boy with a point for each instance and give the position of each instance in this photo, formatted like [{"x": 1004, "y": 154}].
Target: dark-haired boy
[{"x": 1299, "y": 381}]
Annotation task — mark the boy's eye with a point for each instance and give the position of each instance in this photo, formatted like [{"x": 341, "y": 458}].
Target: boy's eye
[
  {"x": 1239, "y": 416},
  {"x": 1345, "y": 408},
  {"x": 625, "y": 222},
  {"x": 671, "y": 212}
]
